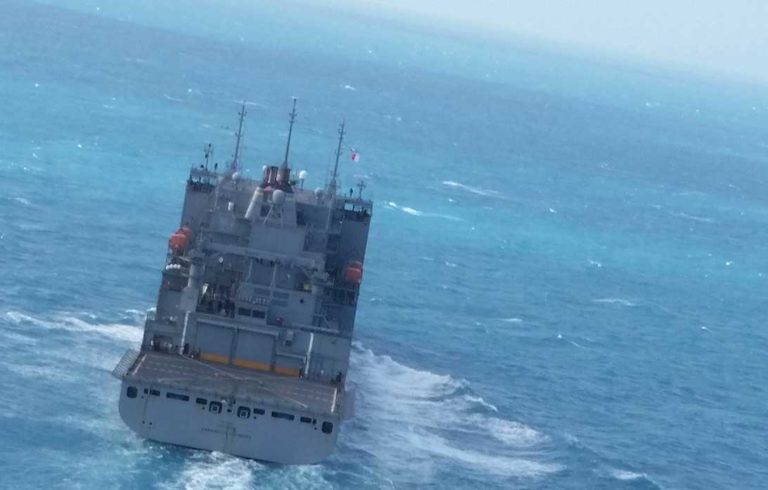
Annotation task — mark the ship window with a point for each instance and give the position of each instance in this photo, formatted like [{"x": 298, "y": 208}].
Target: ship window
[
  {"x": 215, "y": 407},
  {"x": 201, "y": 401},
  {"x": 306, "y": 420},
  {"x": 258, "y": 314},
  {"x": 258, "y": 411},
  {"x": 244, "y": 312},
  {"x": 283, "y": 415},
  {"x": 327, "y": 427},
  {"x": 176, "y": 396},
  {"x": 154, "y": 392},
  {"x": 131, "y": 392},
  {"x": 243, "y": 412}
]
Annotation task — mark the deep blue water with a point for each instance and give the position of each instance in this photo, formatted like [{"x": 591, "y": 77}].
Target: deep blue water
[{"x": 566, "y": 278}]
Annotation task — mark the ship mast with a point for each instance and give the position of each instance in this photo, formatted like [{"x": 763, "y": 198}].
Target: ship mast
[
  {"x": 208, "y": 152},
  {"x": 332, "y": 185},
  {"x": 290, "y": 132},
  {"x": 235, "y": 159}
]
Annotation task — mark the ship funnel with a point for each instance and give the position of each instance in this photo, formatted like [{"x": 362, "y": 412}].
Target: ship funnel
[
  {"x": 270, "y": 176},
  {"x": 283, "y": 176}
]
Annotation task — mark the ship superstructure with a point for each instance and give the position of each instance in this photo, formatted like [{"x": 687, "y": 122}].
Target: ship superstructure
[{"x": 248, "y": 347}]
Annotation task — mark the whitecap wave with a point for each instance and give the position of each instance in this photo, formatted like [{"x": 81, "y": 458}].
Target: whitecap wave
[
  {"x": 250, "y": 103},
  {"x": 512, "y": 320},
  {"x": 691, "y": 217},
  {"x": 33, "y": 372},
  {"x": 625, "y": 475},
  {"x": 173, "y": 99},
  {"x": 469, "y": 188},
  {"x": 513, "y": 433},
  {"x": 415, "y": 422},
  {"x": 116, "y": 331},
  {"x": 411, "y": 211},
  {"x": 22, "y": 201},
  {"x": 615, "y": 301},
  {"x": 416, "y": 212}
]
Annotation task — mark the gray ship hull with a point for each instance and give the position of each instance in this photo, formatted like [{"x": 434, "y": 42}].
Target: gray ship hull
[
  {"x": 247, "y": 349},
  {"x": 260, "y": 437},
  {"x": 174, "y": 400}
]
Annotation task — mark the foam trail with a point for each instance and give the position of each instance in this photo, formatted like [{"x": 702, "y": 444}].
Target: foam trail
[
  {"x": 472, "y": 189},
  {"x": 214, "y": 470},
  {"x": 626, "y": 475},
  {"x": 612, "y": 301},
  {"x": 22, "y": 201},
  {"x": 416, "y": 212},
  {"x": 116, "y": 331},
  {"x": 404, "y": 209},
  {"x": 250, "y": 103},
  {"x": 422, "y": 421},
  {"x": 700, "y": 219}
]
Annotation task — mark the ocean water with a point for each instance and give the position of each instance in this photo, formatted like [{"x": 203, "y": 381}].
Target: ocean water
[{"x": 567, "y": 272}]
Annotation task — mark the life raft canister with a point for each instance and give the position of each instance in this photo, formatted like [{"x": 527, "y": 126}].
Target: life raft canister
[
  {"x": 180, "y": 239},
  {"x": 354, "y": 272}
]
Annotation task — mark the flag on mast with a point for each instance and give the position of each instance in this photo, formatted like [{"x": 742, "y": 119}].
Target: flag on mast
[{"x": 355, "y": 156}]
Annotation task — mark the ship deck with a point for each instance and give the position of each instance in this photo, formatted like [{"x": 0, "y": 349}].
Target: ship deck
[{"x": 224, "y": 381}]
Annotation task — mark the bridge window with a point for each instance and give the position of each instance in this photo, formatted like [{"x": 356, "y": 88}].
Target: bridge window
[
  {"x": 258, "y": 411},
  {"x": 244, "y": 312},
  {"x": 243, "y": 412},
  {"x": 258, "y": 314},
  {"x": 327, "y": 427},
  {"x": 176, "y": 396},
  {"x": 283, "y": 415},
  {"x": 154, "y": 392},
  {"x": 306, "y": 420},
  {"x": 131, "y": 392},
  {"x": 201, "y": 401},
  {"x": 214, "y": 407}
]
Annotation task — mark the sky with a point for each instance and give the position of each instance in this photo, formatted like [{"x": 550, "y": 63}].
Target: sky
[{"x": 727, "y": 37}]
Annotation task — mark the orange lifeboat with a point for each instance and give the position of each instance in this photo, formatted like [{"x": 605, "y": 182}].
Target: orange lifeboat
[
  {"x": 180, "y": 239},
  {"x": 354, "y": 272}
]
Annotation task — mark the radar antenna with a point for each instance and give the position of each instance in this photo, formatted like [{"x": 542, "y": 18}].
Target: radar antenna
[
  {"x": 236, "y": 158},
  {"x": 332, "y": 185},
  {"x": 290, "y": 132}
]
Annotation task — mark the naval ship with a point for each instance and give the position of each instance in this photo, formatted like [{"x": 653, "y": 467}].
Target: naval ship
[{"x": 247, "y": 350}]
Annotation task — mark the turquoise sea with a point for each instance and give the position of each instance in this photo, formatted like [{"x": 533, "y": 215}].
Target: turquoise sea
[{"x": 567, "y": 272}]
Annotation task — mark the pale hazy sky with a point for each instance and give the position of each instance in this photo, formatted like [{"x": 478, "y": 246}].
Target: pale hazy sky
[{"x": 730, "y": 37}]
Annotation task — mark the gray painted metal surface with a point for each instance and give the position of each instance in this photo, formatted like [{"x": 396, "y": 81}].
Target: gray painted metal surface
[{"x": 248, "y": 348}]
